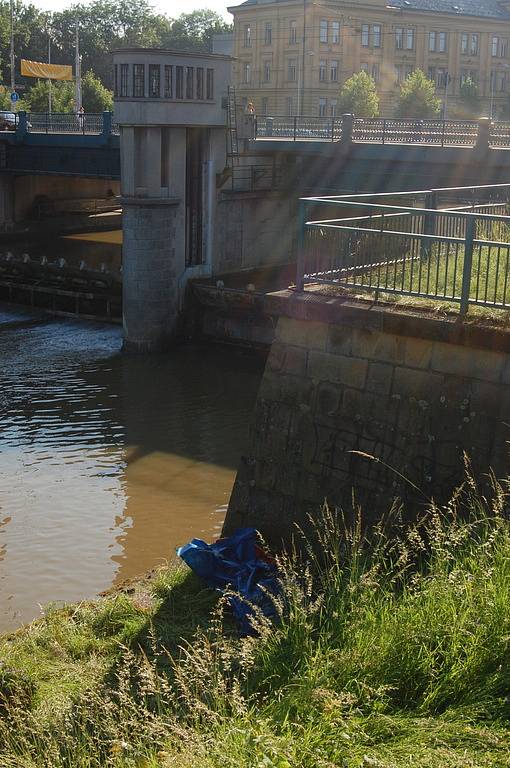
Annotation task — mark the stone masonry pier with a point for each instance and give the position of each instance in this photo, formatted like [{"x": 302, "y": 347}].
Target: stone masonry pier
[{"x": 346, "y": 381}]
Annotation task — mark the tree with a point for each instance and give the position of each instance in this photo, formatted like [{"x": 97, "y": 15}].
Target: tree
[
  {"x": 194, "y": 31},
  {"x": 469, "y": 97},
  {"x": 62, "y": 97},
  {"x": 96, "y": 98},
  {"x": 358, "y": 96},
  {"x": 418, "y": 97}
]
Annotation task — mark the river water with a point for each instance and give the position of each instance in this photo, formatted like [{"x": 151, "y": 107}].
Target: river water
[{"x": 108, "y": 461}]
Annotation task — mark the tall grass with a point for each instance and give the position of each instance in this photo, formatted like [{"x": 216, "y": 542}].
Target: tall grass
[{"x": 391, "y": 650}]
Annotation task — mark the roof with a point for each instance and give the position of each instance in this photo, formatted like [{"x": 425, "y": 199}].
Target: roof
[
  {"x": 489, "y": 9},
  {"x": 174, "y": 52}
]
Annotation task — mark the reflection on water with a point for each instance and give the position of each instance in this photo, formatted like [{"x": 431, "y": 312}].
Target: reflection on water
[{"x": 107, "y": 461}]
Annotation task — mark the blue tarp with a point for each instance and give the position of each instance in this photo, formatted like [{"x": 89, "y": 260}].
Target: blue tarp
[{"x": 236, "y": 564}]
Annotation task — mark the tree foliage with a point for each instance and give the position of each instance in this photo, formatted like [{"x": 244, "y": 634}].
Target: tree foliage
[
  {"x": 469, "y": 98},
  {"x": 358, "y": 96},
  {"x": 417, "y": 97}
]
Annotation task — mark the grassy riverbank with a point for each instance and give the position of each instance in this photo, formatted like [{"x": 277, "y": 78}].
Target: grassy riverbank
[{"x": 391, "y": 654}]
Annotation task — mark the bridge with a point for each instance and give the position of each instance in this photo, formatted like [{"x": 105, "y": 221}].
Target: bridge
[{"x": 62, "y": 144}]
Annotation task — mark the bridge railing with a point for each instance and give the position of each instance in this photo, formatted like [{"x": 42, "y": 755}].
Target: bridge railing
[
  {"x": 67, "y": 123},
  {"x": 443, "y": 133},
  {"x": 448, "y": 245}
]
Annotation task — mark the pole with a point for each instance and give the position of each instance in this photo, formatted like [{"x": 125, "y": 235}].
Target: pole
[
  {"x": 301, "y": 81},
  {"x": 13, "y": 77},
  {"x": 77, "y": 98},
  {"x": 49, "y": 62},
  {"x": 446, "y": 80}
]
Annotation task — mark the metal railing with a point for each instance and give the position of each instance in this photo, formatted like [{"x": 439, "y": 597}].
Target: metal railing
[
  {"x": 43, "y": 122},
  {"x": 299, "y": 128},
  {"x": 443, "y": 133},
  {"x": 438, "y": 132},
  {"x": 255, "y": 178},
  {"x": 450, "y": 245}
]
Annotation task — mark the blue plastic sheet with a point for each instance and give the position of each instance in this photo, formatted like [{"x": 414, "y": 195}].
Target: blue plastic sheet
[{"x": 237, "y": 564}]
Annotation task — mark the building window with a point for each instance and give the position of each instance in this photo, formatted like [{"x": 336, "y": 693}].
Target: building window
[
  {"x": 291, "y": 70},
  {"x": 290, "y": 106},
  {"x": 154, "y": 81},
  {"x": 200, "y": 83},
  {"x": 333, "y": 106},
  {"x": 210, "y": 84},
  {"x": 189, "y": 82},
  {"x": 246, "y": 73},
  {"x": 498, "y": 81},
  {"x": 115, "y": 81},
  {"x": 264, "y": 105},
  {"x": 469, "y": 43},
  {"x": 268, "y": 33},
  {"x": 179, "y": 82},
  {"x": 474, "y": 44},
  {"x": 293, "y": 33},
  {"x": 464, "y": 43},
  {"x": 404, "y": 39},
  {"x": 468, "y": 74},
  {"x": 333, "y": 71},
  {"x": 335, "y": 31},
  {"x": 376, "y": 36},
  {"x": 267, "y": 71},
  {"x": 322, "y": 70},
  {"x": 365, "y": 35},
  {"x": 323, "y": 105},
  {"x": 375, "y": 72},
  {"x": 437, "y": 42},
  {"x": 500, "y": 47},
  {"x": 138, "y": 80},
  {"x": 169, "y": 81},
  {"x": 323, "y": 31},
  {"x": 247, "y": 35},
  {"x": 124, "y": 75}
]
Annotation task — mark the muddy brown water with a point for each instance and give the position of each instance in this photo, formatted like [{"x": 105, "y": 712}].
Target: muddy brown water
[{"x": 108, "y": 461}]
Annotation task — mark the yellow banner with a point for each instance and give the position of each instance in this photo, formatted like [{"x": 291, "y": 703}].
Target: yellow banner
[{"x": 46, "y": 71}]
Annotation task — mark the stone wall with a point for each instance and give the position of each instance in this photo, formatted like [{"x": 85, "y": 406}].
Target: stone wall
[
  {"x": 150, "y": 273},
  {"x": 358, "y": 397},
  {"x": 254, "y": 229}
]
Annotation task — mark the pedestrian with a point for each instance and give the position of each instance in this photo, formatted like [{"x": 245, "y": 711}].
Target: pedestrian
[{"x": 81, "y": 119}]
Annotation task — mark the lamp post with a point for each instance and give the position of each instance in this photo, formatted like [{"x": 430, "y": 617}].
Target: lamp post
[
  {"x": 49, "y": 62},
  {"x": 300, "y": 84},
  {"x": 12, "y": 59}
]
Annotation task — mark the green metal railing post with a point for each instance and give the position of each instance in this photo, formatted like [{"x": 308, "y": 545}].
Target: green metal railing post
[
  {"x": 300, "y": 263},
  {"x": 468, "y": 263},
  {"x": 429, "y": 226}
]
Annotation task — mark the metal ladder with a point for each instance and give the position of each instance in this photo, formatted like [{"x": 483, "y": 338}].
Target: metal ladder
[{"x": 233, "y": 142}]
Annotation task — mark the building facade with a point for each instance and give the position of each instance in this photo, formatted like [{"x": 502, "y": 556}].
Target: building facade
[{"x": 292, "y": 56}]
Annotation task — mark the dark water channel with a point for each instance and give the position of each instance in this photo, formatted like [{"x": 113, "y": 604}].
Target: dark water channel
[{"x": 107, "y": 461}]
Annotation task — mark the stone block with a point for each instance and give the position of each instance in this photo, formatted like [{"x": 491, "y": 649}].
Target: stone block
[
  {"x": 379, "y": 378},
  {"x": 423, "y": 386},
  {"x": 418, "y": 352},
  {"x": 276, "y": 356},
  {"x": 337, "y": 369},
  {"x": 302, "y": 333},
  {"x": 480, "y": 364},
  {"x": 340, "y": 339},
  {"x": 505, "y": 373},
  {"x": 294, "y": 361},
  {"x": 378, "y": 346}
]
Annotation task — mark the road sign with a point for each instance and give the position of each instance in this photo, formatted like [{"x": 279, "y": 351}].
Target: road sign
[{"x": 14, "y": 96}]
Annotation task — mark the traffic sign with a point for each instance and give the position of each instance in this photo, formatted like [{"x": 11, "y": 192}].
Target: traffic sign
[{"x": 14, "y": 96}]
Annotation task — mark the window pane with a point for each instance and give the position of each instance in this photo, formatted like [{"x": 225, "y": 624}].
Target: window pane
[
  {"x": 464, "y": 43},
  {"x": 376, "y": 35},
  {"x": 442, "y": 41},
  {"x": 169, "y": 81},
  {"x": 179, "y": 82},
  {"x": 154, "y": 81},
  {"x": 432, "y": 41},
  {"x": 323, "y": 33},
  {"x": 399, "y": 37},
  {"x": 189, "y": 82},
  {"x": 365, "y": 35},
  {"x": 124, "y": 74},
  {"x": 138, "y": 80},
  {"x": 474, "y": 44},
  {"x": 268, "y": 36},
  {"x": 200, "y": 82},
  {"x": 410, "y": 39},
  {"x": 210, "y": 83},
  {"x": 335, "y": 32},
  {"x": 247, "y": 36}
]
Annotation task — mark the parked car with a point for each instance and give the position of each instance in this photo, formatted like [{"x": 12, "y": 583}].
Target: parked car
[{"x": 8, "y": 121}]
